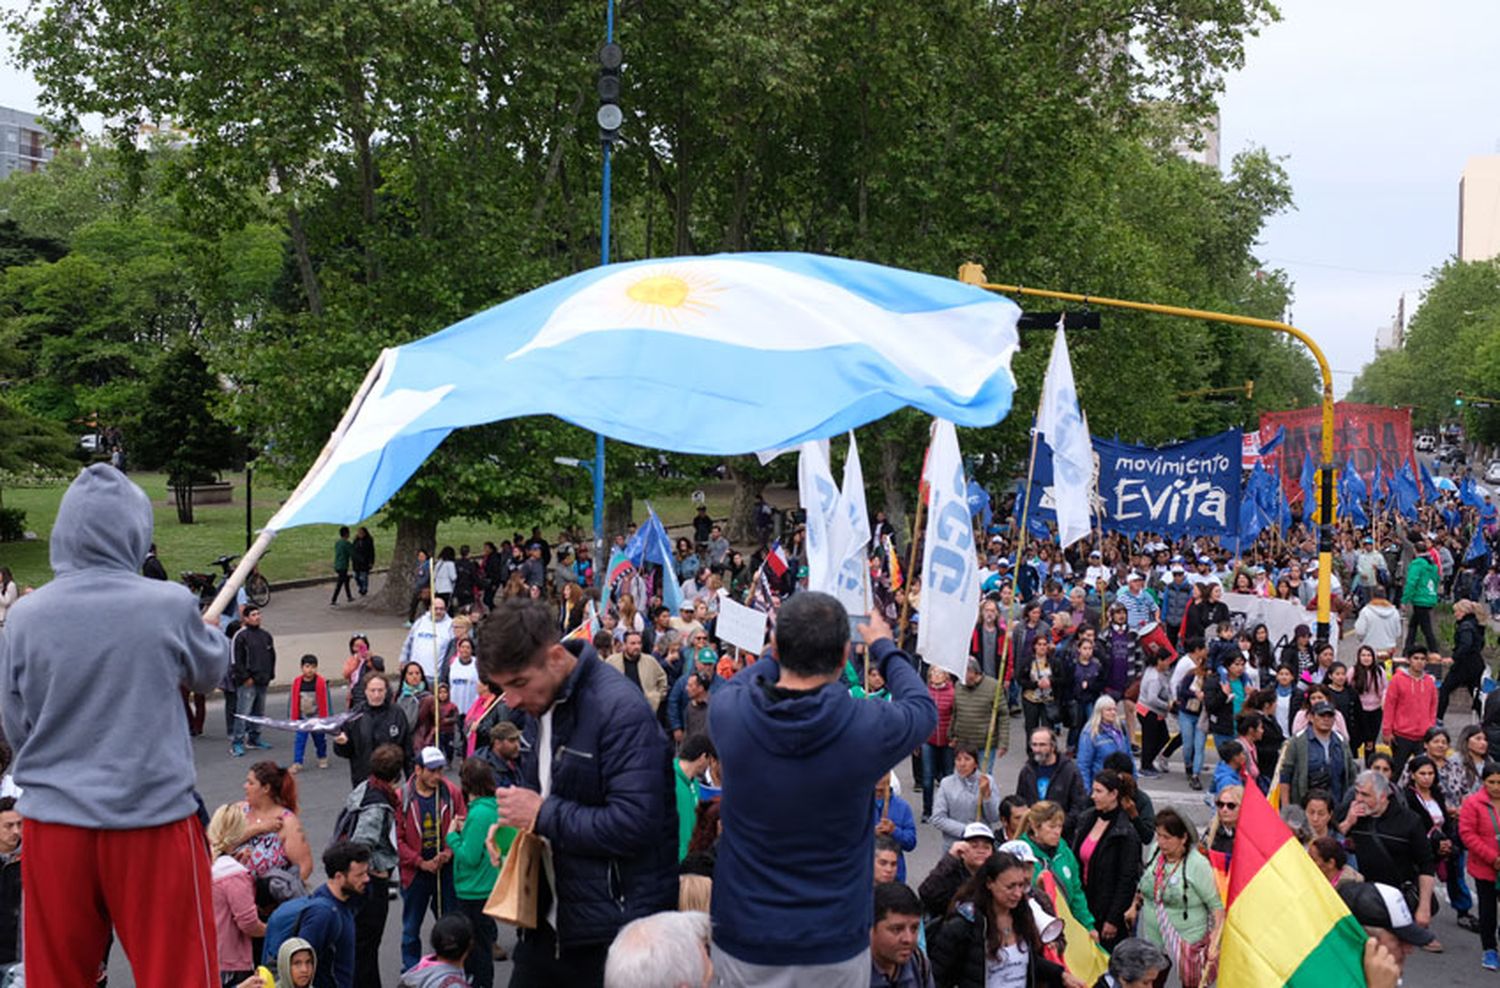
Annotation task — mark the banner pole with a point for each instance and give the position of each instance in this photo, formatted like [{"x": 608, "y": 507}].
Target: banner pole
[
  {"x": 1015, "y": 577},
  {"x": 263, "y": 541}
]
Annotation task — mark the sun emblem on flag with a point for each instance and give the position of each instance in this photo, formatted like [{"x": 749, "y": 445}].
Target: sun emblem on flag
[{"x": 669, "y": 296}]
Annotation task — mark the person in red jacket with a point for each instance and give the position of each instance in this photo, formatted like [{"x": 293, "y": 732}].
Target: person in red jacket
[
  {"x": 309, "y": 699},
  {"x": 1410, "y": 709},
  {"x": 430, "y": 807},
  {"x": 937, "y": 753},
  {"x": 1479, "y": 830}
]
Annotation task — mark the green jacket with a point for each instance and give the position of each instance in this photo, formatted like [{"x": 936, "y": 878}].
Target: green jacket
[
  {"x": 473, "y": 875},
  {"x": 1069, "y": 874},
  {"x": 343, "y": 550},
  {"x": 1421, "y": 588},
  {"x": 687, "y": 808},
  {"x": 972, "y": 706}
]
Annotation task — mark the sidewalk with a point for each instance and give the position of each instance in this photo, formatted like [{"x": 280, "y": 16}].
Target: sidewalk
[{"x": 302, "y": 623}]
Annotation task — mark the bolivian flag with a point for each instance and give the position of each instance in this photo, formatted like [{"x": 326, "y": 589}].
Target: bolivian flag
[{"x": 1285, "y": 923}]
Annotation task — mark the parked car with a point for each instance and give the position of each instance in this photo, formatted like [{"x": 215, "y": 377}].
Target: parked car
[
  {"x": 1492, "y": 472},
  {"x": 1450, "y": 454},
  {"x": 1426, "y": 443}
]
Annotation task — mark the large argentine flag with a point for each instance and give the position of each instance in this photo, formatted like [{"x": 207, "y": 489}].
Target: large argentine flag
[{"x": 720, "y": 355}]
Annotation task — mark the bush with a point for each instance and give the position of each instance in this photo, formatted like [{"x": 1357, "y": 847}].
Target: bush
[{"x": 12, "y": 524}]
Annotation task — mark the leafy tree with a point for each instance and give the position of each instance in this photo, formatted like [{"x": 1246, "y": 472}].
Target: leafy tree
[{"x": 178, "y": 431}]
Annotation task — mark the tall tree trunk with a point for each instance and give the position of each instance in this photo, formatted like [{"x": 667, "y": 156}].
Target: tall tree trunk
[
  {"x": 411, "y": 534},
  {"x": 310, "y": 286},
  {"x": 895, "y": 490},
  {"x": 740, "y": 529},
  {"x": 619, "y": 512}
]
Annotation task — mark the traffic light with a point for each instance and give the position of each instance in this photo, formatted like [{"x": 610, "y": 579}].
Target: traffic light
[
  {"x": 1458, "y": 399},
  {"x": 611, "y": 57}
]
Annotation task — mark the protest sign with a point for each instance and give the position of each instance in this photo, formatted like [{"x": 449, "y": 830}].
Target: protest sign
[
  {"x": 1365, "y": 435},
  {"x": 1280, "y": 617},
  {"x": 741, "y": 626},
  {"x": 1190, "y": 488}
]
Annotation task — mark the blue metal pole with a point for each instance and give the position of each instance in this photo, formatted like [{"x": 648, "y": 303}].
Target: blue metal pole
[{"x": 600, "y": 562}]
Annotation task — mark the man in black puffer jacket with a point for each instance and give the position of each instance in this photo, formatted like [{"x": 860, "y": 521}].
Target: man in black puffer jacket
[{"x": 596, "y": 783}]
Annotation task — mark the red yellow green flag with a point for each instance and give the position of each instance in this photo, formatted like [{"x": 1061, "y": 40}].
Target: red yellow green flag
[{"x": 1285, "y": 924}]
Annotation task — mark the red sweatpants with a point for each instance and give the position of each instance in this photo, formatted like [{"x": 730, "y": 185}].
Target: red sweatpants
[{"x": 152, "y": 885}]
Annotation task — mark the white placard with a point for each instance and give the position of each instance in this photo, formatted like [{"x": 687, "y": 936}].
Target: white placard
[{"x": 741, "y": 626}]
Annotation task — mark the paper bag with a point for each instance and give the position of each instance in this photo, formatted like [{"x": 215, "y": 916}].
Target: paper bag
[{"x": 514, "y": 898}]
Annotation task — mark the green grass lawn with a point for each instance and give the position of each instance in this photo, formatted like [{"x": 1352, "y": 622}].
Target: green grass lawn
[{"x": 296, "y": 553}]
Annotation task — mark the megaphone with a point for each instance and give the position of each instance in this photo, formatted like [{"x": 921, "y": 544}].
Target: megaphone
[{"x": 1048, "y": 925}]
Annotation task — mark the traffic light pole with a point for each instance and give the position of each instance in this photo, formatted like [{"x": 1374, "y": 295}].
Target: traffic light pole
[{"x": 973, "y": 274}]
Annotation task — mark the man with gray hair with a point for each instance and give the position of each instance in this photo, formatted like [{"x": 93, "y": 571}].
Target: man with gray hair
[
  {"x": 1391, "y": 843},
  {"x": 1134, "y": 963},
  {"x": 664, "y": 950}
]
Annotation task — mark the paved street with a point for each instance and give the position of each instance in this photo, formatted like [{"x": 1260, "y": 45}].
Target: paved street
[{"x": 302, "y": 621}]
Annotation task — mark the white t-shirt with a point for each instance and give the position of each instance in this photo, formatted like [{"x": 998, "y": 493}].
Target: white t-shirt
[
  {"x": 1008, "y": 968},
  {"x": 463, "y": 684}
]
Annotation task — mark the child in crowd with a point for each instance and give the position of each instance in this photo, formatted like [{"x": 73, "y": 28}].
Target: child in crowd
[{"x": 309, "y": 699}]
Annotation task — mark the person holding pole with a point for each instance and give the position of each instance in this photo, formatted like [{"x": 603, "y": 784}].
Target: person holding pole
[
  {"x": 431, "y": 807},
  {"x": 83, "y": 761}
]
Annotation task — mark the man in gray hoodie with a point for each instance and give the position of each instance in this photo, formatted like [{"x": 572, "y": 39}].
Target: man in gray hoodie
[{"x": 102, "y": 749}]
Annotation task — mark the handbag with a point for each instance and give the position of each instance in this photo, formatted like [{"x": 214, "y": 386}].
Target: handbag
[{"x": 514, "y": 898}]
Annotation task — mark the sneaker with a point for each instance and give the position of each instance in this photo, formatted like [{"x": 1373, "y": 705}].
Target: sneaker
[
  {"x": 1162, "y": 765},
  {"x": 262, "y": 745},
  {"x": 1491, "y": 961},
  {"x": 1195, "y": 783},
  {"x": 296, "y": 768},
  {"x": 1147, "y": 773},
  {"x": 237, "y": 750},
  {"x": 322, "y": 763}
]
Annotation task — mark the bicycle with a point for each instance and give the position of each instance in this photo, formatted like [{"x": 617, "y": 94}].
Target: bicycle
[{"x": 207, "y": 586}]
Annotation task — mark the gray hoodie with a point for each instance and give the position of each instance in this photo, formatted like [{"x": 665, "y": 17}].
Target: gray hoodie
[
  {"x": 90, "y": 665},
  {"x": 434, "y": 972},
  {"x": 290, "y": 946}
]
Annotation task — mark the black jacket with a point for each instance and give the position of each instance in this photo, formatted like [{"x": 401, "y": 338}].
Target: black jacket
[
  {"x": 1220, "y": 706},
  {"x": 612, "y": 814},
  {"x": 957, "y": 951},
  {"x": 153, "y": 568},
  {"x": 1066, "y": 789},
  {"x": 1468, "y": 646},
  {"x": 362, "y": 556},
  {"x": 253, "y": 657},
  {"x": 937, "y": 889},
  {"x": 10, "y": 910},
  {"x": 1392, "y": 848},
  {"x": 1114, "y": 869},
  {"x": 374, "y": 727}
]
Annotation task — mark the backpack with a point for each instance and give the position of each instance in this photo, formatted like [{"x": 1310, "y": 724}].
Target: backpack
[
  {"x": 347, "y": 822},
  {"x": 286, "y": 923}
]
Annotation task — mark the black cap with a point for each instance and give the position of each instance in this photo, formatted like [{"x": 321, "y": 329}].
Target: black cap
[
  {"x": 1379, "y": 905},
  {"x": 1323, "y": 708}
]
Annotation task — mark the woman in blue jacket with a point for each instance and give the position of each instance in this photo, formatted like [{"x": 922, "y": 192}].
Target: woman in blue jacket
[
  {"x": 1100, "y": 739},
  {"x": 896, "y": 821}
]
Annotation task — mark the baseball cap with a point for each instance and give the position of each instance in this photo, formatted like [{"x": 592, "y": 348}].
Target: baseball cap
[
  {"x": 1020, "y": 850},
  {"x": 1178, "y": 569},
  {"x": 1323, "y": 708},
  {"x": 977, "y": 829},
  {"x": 1096, "y": 554},
  {"x": 1381, "y": 905},
  {"x": 432, "y": 757},
  {"x": 687, "y": 604},
  {"x": 1134, "y": 575},
  {"x": 1204, "y": 560},
  {"x": 705, "y": 655}
]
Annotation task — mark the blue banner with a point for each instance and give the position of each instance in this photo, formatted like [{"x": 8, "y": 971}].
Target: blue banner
[{"x": 1190, "y": 488}]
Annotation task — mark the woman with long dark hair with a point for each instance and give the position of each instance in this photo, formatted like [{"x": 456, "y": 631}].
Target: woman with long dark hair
[
  {"x": 1109, "y": 848},
  {"x": 989, "y": 938},
  {"x": 1178, "y": 901}
]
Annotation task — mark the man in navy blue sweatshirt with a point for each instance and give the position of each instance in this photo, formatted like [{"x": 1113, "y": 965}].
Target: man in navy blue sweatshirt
[{"x": 791, "y": 898}]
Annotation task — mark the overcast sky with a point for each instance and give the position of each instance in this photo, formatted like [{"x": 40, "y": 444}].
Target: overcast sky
[{"x": 1375, "y": 105}]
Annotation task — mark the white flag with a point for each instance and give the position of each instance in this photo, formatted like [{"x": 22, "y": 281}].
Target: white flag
[
  {"x": 950, "y": 572},
  {"x": 1064, "y": 430},
  {"x": 853, "y": 581},
  {"x": 820, "y": 501}
]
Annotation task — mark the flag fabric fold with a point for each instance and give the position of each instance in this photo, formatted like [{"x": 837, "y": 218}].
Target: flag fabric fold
[
  {"x": 819, "y": 345},
  {"x": 950, "y": 570},
  {"x": 1061, "y": 426},
  {"x": 819, "y": 497},
  {"x": 1285, "y": 924},
  {"x": 852, "y": 582}
]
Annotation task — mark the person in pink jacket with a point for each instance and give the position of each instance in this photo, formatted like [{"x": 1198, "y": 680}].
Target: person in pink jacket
[
  {"x": 1410, "y": 709},
  {"x": 1479, "y": 830},
  {"x": 233, "y": 895}
]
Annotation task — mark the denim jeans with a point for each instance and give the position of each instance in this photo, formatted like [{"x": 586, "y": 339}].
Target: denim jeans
[
  {"x": 299, "y": 747},
  {"x": 1193, "y": 741},
  {"x": 1458, "y": 888},
  {"x": 251, "y": 701},
  {"x": 416, "y": 899},
  {"x": 936, "y": 764}
]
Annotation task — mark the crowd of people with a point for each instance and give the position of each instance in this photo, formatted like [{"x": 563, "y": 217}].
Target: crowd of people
[{"x": 668, "y": 774}]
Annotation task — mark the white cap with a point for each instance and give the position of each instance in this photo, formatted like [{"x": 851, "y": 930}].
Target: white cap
[
  {"x": 432, "y": 757},
  {"x": 1020, "y": 850},
  {"x": 978, "y": 829},
  {"x": 1134, "y": 575},
  {"x": 1178, "y": 569}
]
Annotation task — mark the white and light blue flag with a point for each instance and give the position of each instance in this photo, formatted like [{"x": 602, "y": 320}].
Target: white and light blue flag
[
  {"x": 852, "y": 585},
  {"x": 950, "y": 571},
  {"x": 1062, "y": 426},
  {"x": 818, "y": 495},
  {"x": 798, "y": 347}
]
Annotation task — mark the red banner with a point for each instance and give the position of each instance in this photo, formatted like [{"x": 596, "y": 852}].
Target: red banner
[{"x": 1366, "y": 433}]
